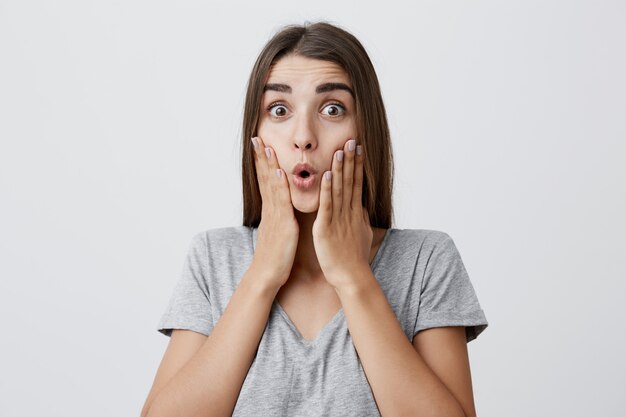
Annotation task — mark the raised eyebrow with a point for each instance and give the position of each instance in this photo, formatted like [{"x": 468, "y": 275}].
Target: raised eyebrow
[
  {"x": 282, "y": 88},
  {"x": 322, "y": 88}
]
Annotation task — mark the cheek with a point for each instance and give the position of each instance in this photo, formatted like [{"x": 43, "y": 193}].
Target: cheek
[
  {"x": 273, "y": 140},
  {"x": 272, "y": 134},
  {"x": 338, "y": 131},
  {"x": 275, "y": 137}
]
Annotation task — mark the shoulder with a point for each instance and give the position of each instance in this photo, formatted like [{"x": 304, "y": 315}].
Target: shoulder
[
  {"x": 228, "y": 234},
  {"x": 414, "y": 248},
  {"x": 423, "y": 239},
  {"x": 223, "y": 242}
]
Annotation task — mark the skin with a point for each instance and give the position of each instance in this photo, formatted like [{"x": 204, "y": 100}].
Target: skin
[
  {"x": 305, "y": 126},
  {"x": 430, "y": 377}
]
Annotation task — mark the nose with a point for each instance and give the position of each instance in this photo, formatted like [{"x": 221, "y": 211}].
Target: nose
[{"x": 304, "y": 135}]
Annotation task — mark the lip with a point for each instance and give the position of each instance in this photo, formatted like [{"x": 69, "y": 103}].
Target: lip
[
  {"x": 304, "y": 184},
  {"x": 303, "y": 167}
]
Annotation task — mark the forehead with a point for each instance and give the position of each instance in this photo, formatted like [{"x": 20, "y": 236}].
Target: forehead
[{"x": 293, "y": 69}]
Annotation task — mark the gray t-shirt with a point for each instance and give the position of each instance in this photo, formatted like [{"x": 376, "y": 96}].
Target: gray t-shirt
[{"x": 420, "y": 271}]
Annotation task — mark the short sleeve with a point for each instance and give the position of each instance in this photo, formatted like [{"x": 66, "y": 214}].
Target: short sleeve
[
  {"x": 447, "y": 296},
  {"x": 189, "y": 306}
]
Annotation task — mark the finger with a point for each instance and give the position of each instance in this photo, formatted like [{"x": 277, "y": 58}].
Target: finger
[
  {"x": 283, "y": 193},
  {"x": 348, "y": 174},
  {"x": 276, "y": 176},
  {"x": 325, "y": 211},
  {"x": 266, "y": 156},
  {"x": 275, "y": 183},
  {"x": 357, "y": 190},
  {"x": 260, "y": 164},
  {"x": 336, "y": 167}
]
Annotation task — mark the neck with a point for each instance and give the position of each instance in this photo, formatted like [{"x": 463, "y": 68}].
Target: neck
[
  {"x": 306, "y": 258},
  {"x": 305, "y": 263}
]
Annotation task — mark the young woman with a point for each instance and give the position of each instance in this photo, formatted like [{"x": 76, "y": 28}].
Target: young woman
[{"x": 316, "y": 306}]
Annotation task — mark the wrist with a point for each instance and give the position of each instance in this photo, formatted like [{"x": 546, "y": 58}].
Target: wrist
[
  {"x": 356, "y": 281},
  {"x": 261, "y": 281}
]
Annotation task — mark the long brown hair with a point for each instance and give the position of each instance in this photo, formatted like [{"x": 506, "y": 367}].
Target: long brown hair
[{"x": 326, "y": 42}]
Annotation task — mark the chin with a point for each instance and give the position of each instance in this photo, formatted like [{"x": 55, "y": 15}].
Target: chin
[{"x": 306, "y": 204}]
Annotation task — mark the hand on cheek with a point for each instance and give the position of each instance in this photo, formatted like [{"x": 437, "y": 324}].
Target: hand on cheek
[{"x": 342, "y": 234}]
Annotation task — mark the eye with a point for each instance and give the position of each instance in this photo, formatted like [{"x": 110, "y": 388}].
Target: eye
[
  {"x": 281, "y": 110},
  {"x": 334, "y": 109}
]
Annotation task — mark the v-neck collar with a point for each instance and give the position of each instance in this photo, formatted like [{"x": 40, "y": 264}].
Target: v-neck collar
[{"x": 340, "y": 313}]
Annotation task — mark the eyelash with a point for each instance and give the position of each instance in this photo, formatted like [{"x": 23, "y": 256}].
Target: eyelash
[{"x": 332, "y": 103}]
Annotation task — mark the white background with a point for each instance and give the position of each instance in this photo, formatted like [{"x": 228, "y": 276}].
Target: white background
[{"x": 120, "y": 128}]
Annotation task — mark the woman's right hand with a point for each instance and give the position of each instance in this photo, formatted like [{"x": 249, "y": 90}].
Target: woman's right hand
[{"x": 277, "y": 238}]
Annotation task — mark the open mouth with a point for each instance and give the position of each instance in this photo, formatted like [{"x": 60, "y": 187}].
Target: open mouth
[{"x": 304, "y": 180}]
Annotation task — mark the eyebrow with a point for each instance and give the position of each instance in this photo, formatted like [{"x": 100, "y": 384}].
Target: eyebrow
[{"x": 322, "y": 88}]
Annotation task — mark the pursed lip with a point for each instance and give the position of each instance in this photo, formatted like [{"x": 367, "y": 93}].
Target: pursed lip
[
  {"x": 303, "y": 167},
  {"x": 305, "y": 184}
]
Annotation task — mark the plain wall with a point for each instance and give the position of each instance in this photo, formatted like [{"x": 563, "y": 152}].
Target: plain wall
[{"x": 120, "y": 139}]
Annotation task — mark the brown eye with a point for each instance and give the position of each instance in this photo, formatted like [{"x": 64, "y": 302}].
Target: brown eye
[
  {"x": 277, "y": 110},
  {"x": 334, "y": 110}
]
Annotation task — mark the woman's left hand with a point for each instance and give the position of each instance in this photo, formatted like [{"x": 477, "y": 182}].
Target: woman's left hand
[{"x": 342, "y": 234}]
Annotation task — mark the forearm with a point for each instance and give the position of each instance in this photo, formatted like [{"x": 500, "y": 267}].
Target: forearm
[
  {"x": 402, "y": 382},
  {"x": 209, "y": 384}
]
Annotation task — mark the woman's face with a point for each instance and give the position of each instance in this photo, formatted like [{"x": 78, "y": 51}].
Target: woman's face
[{"x": 307, "y": 113}]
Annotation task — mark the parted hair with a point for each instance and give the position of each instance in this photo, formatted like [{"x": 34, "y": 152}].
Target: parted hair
[{"x": 327, "y": 42}]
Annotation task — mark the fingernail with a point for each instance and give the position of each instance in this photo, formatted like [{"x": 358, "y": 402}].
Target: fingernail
[
  {"x": 359, "y": 150},
  {"x": 328, "y": 175},
  {"x": 351, "y": 144},
  {"x": 279, "y": 173},
  {"x": 255, "y": 141},
  {"x": 268, "y": 152},
  {"x": 339, "y": 155}
]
